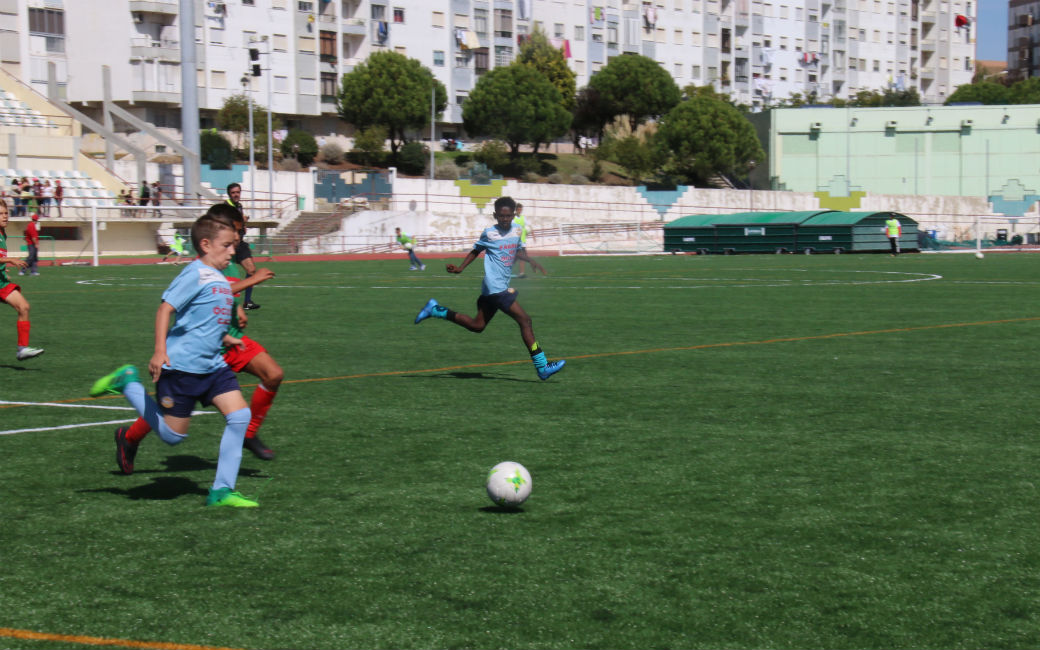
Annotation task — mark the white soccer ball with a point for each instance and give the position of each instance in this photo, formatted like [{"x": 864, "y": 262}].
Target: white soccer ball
[
  {"x": 408, "y": 246},
  {"x": 509, "y": 484},
  {"x": 979, "y": 255}
]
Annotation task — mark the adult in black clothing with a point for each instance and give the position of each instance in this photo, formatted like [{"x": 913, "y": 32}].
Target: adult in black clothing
[{"x": 243, "y": 254}]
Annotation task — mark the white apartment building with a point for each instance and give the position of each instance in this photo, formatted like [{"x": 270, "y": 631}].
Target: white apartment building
[
  {"x": 760, "y": 51},
  {"x": 1023, "y": 39}
]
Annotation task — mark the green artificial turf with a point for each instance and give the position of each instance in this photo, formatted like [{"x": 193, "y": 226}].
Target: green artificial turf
[{"x": 742, "y": 452}]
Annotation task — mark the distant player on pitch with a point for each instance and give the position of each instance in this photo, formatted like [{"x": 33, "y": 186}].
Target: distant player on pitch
[{"x": 502, "y": 246}]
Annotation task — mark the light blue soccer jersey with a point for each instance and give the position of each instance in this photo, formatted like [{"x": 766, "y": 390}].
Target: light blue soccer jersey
[
  {"x": 500, "y": 250},
  {"x": 202, "y": 297}
]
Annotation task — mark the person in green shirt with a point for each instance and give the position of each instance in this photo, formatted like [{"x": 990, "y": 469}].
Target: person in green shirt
[{"x": 407, "y": 242}]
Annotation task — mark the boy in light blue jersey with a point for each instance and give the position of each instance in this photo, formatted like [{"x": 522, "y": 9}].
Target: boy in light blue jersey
[
  {"x": 502, "y": 246},
  {"x": 188, "y": 365}
]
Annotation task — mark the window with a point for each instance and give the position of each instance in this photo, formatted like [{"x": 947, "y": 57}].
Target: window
[
  {"x": 47, "y": 21},
  {"x": 248, "y": 38},
  {"x": 967, "y": 63},
  {"x": 378, "y": 12},
  {"x": 579, "y": 33},
  {"x": 398, "y": 15},
  {"x": 503, "y": 25},
  {"x": 783, "y": 11},
  {"x": 438, "y": 19},
  {"x": 216, "y": 36},
  {"x": 678, "y": 37},
  {"x": 877, "y": 65},
  {"x": 480, "y": 60},
  {"x": 695, "y": 73},
  {"x": 438, "y": 58},
  {"x": 877, "y": 35},
  {"x": 279, "y": 43},
  {"x": 460, "y": 98},
  {"x": 558, "y": 30},
  {"x": 328, "y": 46},
  {"x": 281, "y": 84},
  {"x": 579, "y": 66},
  {"x": 852, "y": 63},
  {"x": 678, "y": 70},
  {"x": 248, "y": 3},
  {"x": 402, "y": 50},
  {"x": 218, "y": 79},
  {"x": 612, "y": 36},
  {"x": 713, "y": 73},
  {"x": 480, "y": 22},
  {"x": 863, "y": 65},
  {"x": 200, "y": 79},
  {"x": 278, "y": 4},
  {"x": 304, "y": 5},
  {"x": 462, "y": 21},
  {"x": 783, "y": 42},
  {"x": 328, "y": 85},
  {"x": 503, "y": 54},
  {"x": 305, "y": 44},
  {"x": 308, "y": 86}
]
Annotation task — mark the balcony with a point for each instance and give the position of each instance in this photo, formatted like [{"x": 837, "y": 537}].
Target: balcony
[
  {"x": 143, "y": 47},
  {"x": 354, "y": 27},
  {"x": 169, "y": 7},
  {"x": 928, "y": 45}
]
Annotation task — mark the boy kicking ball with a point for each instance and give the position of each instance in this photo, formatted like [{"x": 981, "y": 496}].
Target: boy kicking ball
[
  {"x": 187, "y": 366},
  {"x": 502, "y": 246}
]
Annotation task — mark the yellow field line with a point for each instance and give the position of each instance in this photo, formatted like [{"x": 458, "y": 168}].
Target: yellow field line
[
  {"x": 12, "y": 633},
  {"x": 600, "y": 355}
]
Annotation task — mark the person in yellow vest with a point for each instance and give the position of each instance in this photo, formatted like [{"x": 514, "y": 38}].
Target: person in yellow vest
[
  {"x": 893, "y": 229},
  {"x": 524, "y": 232}
]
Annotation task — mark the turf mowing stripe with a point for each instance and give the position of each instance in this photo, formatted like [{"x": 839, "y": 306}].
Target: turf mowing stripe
[
  {"x": 13, "y": 633},
  {"x": 598, "y": 355}
]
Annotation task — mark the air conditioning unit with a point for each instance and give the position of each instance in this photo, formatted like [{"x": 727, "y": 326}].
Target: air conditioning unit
[
  {"x": 966, "y": 124},
  {"x": 891, "y": 124},
  {"x": 815, "y": 126},
  {"x": 138, "y": 17}
]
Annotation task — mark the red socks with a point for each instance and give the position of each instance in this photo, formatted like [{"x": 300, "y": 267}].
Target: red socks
[
  {"x": 137, "y": 431},
  {"x": 23, "y": 332},
  {"x": 259, "y": 405}
]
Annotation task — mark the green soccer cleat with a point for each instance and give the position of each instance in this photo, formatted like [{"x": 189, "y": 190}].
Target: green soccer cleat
[
  {"x": 115, "y": 382},
  {"x": 226, "y": 497}
]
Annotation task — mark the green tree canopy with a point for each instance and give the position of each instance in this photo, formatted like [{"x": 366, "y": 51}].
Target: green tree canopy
[
  {"x": 634, "y": 85},
  {"x": 389, "y": 89},
  {"x": 516, "y": 104},
  {"x": 985, "y": 92},
  {"x": 300, "y": 145},
  {"x": 706, "y": 136},
  {"x": 234, "y": 116},
  {"x": 540, "y": 54},
  {"x": 590, "y": 115},
  {"x": 1026, "y": 91}
]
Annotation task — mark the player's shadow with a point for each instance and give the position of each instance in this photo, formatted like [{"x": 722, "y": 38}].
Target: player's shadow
[
  {"x": 161, "y": 488},
  {"x": 502, "y": 510},
  {"x": 460, "y": 374},
  {"x": 19, "y": 368},
  {"x": 187, "y": 463}
]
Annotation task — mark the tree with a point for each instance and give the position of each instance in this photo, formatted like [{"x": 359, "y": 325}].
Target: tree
[
  {"x": 390, "y": 90},
  {"x": 234, "y": 116},
  {"x": 540, "y": 54},
  {"x": 634, "y": 85},
  {"x": 590, "y": 114},
  {"x": 370, "y": 144},
  {"x": 215, "y": 149},
  {"x": 516, "y": 104},
  {"x": 985, "y": 92},
  {"x": 300, "y": 145},
  {"x": 637, "y": 151},
  {"x": 1026, "y": 91},
  {"x": 706, "y": 136}
]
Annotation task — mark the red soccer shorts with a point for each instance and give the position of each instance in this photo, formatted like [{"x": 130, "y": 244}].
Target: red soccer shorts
[{"x": 238, "y": 359}]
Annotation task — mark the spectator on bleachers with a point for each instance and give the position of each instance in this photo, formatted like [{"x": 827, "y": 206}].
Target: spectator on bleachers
[
  {"x": 126, "y": 198},
  {"x": 156, "y": 198},
  {"x": 16, "y": 195},
  {"x": 27, "y": 197},
  {"x": 59, "y": 194},
  {"x": 48, "y": 196}
]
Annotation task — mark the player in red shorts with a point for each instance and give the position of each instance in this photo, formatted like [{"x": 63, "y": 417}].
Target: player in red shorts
[
  {"x": 250, "y": 357},
  {"x": 11, "y": 293}
]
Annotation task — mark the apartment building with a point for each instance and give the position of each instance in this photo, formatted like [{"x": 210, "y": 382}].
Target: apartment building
[
  {"x": 1023, "y": 39},
  {"x": 759, "y": 51}
]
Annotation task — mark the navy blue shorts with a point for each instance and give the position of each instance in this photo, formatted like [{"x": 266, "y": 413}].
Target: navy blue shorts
[
  {"x": 497, "y": 301},
  {"x": 242, "y": 252},
  {"x": 178, "y": 391}
]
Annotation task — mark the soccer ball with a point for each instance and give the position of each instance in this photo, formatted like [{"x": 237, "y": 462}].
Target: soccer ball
[
  {"x": 979, "y": 255},
  {"x": 408, "y": 246},
  {"x": 509, "y": 484}
]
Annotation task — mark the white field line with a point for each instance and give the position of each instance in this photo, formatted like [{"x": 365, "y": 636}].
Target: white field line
[{"x": 75, "y": 426}]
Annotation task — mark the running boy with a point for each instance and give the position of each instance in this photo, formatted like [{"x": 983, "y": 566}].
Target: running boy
[
  {"x": 502, "y": 246},
  {"x": 187, "y": 365},
  {"x": 407, "y": 242},
  {"x": 250, "y": 357},
  {"x": 11, "y": 293}
]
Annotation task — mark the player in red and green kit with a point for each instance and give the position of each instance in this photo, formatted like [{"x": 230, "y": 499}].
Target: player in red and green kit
[
  {"x": 11, "y": 293},
  {"x": 250, "y": 357}
]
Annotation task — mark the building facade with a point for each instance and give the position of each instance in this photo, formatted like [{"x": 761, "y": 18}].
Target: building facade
[
  {"x": 1023, "y": 39},
  {"x": 758, "y": 51}
]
